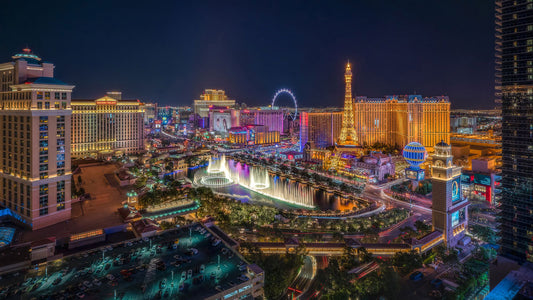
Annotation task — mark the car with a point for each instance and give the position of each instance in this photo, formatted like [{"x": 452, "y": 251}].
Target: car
[
  {"x": 416, "y": 276},
  {"x": 436, "y": 283},
  {"x": 97, "y": 282},
  {"x": 183, "y": 275},
  {"x": 216, "y": 242},
  {"x": 80, "y": 295},
  {"x": 110, "y": 277},
  {"x": 87, "y": 284},
  {"x": 189, "y": 273},
  {"x": 202, "y": 268}
]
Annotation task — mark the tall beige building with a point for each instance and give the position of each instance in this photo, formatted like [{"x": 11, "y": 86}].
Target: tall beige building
[
  {"x": 399, "y": 120},
  {"x": 107, "y": 126},
  {"x": 394, "y": 120},
  {"x": 211, "y": 98},
  {"x": 35, "y": 119}
]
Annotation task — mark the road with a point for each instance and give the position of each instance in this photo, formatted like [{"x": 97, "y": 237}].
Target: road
[
  {"x": 377, "y": 193},
  {"x": 303, "y": 280}
]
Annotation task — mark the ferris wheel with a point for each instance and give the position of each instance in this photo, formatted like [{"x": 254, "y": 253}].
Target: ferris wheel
[{"x": 294, "y": 114}]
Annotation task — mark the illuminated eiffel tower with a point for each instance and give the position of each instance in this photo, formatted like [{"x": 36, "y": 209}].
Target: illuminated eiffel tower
[
  {"x": 347, "y": 143},
  {"x": 348, "y": 136}
]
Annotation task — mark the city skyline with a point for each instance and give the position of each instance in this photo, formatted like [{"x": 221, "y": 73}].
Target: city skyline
[{"x": 187, "y": 49}]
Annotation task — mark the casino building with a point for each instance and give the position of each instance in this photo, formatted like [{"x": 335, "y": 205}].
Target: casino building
[
  {"x": 209, "y": 99},
  {"x": 394, "y": 120},
  {"x": 35, "y": 120},
  {"x": 107, "y": 126}
]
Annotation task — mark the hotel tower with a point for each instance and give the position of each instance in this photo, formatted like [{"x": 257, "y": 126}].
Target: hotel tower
[
  {"x": 35, "y": 118},
  {"x": 514, "y": 87}
]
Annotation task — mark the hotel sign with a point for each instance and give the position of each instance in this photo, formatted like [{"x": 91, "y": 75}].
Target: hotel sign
[{"x": 106, "y": 102}]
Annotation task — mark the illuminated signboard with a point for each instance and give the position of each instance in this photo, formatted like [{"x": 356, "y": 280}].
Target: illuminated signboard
[
  {"x": 458, "y": 217},
  {"x": 465, "y": 178},
  {"x": 482, "y": 179},
  {"x": 414, "y": 174},
  {"x": 106, "y": 102},
  {"x": 456, "y": 189}
]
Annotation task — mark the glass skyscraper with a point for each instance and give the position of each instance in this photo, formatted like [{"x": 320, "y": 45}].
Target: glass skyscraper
[{"x": 514, "y": 88}]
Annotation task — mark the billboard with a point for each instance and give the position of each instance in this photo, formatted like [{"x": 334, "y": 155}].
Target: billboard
[
  {"x": 456, "y": 189},
  {"x": 221, "y": 121},
  {"x": 482, "y": 179},
  {"x": 458, "y": 217}
]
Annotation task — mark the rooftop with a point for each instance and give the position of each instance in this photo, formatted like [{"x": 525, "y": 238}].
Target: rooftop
[{"x": 44, "y": 80}]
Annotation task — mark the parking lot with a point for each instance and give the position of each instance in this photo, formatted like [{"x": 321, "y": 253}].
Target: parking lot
[{"x": 182, "y": 263}]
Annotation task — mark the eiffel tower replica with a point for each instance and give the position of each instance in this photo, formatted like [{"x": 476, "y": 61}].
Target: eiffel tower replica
[{"x": 347, "y": 145}]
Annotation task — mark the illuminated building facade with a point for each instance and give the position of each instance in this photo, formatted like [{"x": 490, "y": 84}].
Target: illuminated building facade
[
  {"x": 320, "y": 129},
  {"x": 482, "y": 181},
  {"x": 514, "y": 84},
  {"x": 107, "y": 126},
  {"x": 399, "y": 120},
  {"x": 150, "y": 113},
  {"x": 35, "y": 119},
  {"x": 271, "y": 117},
  {"x": 211, "y": 98},
  {"x": 449, "y": 209},
  {"x": 252, "y": 135},
  {"x": 222, "y": 119},
  {"x": 394, "y": 120}
]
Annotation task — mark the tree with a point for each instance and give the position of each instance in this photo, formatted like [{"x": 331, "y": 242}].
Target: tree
[
  {"x": 484, "y": 233},
  {"x": 422, "y": 227},
  {"x": 407, "y": 261}
]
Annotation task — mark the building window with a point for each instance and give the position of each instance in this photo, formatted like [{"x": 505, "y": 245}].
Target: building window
[
  {"x": 43, "y": 211},
  {"x": 47, "y": 105},
  {"x": 39, "y": 105},
  {"x": 529, "y": 27},
  {"x": 39, "y": 95},
  {"x": 63, "y": 96},
  {"x": 529, "y": 49},
  {"x": 47, "y": 95}
]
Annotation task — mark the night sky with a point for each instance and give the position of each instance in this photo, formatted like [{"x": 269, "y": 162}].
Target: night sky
[{"x": 170, "y": 51}]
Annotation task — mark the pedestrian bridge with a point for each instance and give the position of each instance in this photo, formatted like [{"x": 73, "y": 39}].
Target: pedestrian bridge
[{"x": 421, "y": 245}]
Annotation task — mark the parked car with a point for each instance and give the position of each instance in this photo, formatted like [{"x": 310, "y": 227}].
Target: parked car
[{"x": 416, "y": 276}]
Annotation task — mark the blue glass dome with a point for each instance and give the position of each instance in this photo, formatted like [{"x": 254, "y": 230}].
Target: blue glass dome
[{"x": 415, "y": 154}]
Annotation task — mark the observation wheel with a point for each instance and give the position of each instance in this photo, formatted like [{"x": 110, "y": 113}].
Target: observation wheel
[{"x": 294, "y": 114}]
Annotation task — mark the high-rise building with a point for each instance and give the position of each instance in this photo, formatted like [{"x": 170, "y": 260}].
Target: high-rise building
[
  {"x": 514, "y": 83},
  {"x": 271, "y": 117},
  {"x": 394, "y": 120},
  {"x": 35, "y": 118},
  {"x": 211, "y": 98},
  {"x": 320, "y": 129},
  {"x": 449, "y": 208},
  {"x": 150, "y": 113},
  {"x": 107, "y": 126},
  {"x": 401, "y": 119}
]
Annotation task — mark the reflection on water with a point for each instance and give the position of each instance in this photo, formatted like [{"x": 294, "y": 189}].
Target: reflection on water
[{"x": 255, "y": 184}]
